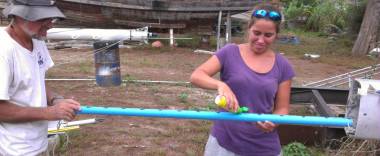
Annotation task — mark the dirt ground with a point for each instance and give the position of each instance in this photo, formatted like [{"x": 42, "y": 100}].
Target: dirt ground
[{"x": 119, "y": 135}]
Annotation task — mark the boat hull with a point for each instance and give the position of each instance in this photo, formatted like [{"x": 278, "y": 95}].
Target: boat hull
[{"x": 151, "y": 13}]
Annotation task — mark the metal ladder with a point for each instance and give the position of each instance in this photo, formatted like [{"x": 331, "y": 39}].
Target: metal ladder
[{"x": 340, "y": 80}]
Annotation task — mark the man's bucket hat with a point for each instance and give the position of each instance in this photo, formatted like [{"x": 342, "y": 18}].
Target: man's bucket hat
[{"x": 33, "y": 10}]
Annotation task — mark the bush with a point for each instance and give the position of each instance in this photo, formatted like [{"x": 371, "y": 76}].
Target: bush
[
  {"x": 293, "y": 11},
  {"x": 355, "y": 16},
  {"x": 318, "y": 14},
  {"x": 295, "y": 149},
  {"x": 189, "y": 43},
  {"x": 298, "y": 8},
  {"x": 299, "y": 2},
  {"x": 183, "y": 97},
  {"x": 327, "y": 13}
]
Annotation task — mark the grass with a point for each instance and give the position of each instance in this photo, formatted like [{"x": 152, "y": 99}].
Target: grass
[
  {"x": 128, "y": 77},
  {"x": 315, "y": 151},
  {"x": 145, "y": 62},
  {"x": 333, "y": 51},
  {"x": 187, "y": 136},
  {"x": 154, "y": 89},
  {"x": 183, "y": 97},
  {"x": 73, "y": 134},
  {"x": 156, "y": 153},
  {"x": 86, "y": 67},
  {"x": 295, "y": 149},
  {"x": 148, "y": 47}
]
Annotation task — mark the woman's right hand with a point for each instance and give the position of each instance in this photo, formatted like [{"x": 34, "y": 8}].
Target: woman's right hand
[{"x": 232, "y": 102}]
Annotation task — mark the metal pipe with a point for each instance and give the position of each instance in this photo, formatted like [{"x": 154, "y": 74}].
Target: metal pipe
[
  {"x": 206, "y": 115},
  {"x": 344, "y": 75},
  {"x": 363, "y": 77},
  {"x": 132, "y": 81},
  {"x": 140, "y": 34},
  {"x": 83, "y": 122},
  {"x": 349, "y": 73},
  {"x": 174, "y": 38},
  {"x": 344, "y": 78}
]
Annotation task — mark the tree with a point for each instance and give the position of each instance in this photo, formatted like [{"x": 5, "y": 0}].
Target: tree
[{"x": 369, "y": 34}]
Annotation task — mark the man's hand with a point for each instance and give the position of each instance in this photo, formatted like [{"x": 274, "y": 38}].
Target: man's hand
[
  {"x": 63, "y": 109},
  {"x": 266, "y": 126}
]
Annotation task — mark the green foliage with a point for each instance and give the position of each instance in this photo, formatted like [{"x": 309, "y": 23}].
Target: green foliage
[
  {"x": 328, "y": 13},
  {"x": 211, "y": 106},
  {"x": 296, "y": 9},
  {"x": 292, "y": 11},
  {"x": 300, "y": 2},
  {"x": 317, "y": 151},
  {"x": 86, "y": 67},
  {"x": 189, "y": 43},
  {"x": 295, "y": 149},
  {"x": 149, "y": 47},
  {"x": 355, "y": 17},
  {"x": 213, "y": 42},
  {"x": 318, "y": 14},
  {"x": 194, "y": 42},
  {"x": 183, "y": 97},
  {"x": 129, "y": 77},
  {"x": 63, "y": 145}
]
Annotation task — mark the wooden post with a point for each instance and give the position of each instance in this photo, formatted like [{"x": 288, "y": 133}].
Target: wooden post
[
  {"x": 228, "y": 28},
  {"x": 218, "y": 33},
  {"x": 369, "y": 30},
  {"x": 171, "y": 37}
]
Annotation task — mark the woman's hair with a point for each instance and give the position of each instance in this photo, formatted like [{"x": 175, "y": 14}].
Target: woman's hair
[{"x": 268, "y": 8}]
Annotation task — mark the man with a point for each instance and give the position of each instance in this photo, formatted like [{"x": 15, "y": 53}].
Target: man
[{"x": 25, "y": 104}]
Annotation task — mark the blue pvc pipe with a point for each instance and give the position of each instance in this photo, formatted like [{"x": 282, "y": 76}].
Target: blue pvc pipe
[{"x": 205, "y": 115}]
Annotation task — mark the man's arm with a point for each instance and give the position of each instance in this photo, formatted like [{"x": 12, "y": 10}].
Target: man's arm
[
  {"x": 10, "y": 112},
  {"x": 58, "y": 109}
]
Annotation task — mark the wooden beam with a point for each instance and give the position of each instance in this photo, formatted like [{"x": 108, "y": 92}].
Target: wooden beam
[
  {"x": 185, "y": 7},
  {"x": 151, "y": 25}
]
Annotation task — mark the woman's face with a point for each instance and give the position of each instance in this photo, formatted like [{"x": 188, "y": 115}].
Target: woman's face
[{"x": 261, "y": 35}]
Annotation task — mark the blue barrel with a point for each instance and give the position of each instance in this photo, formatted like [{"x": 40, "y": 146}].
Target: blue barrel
[{"x": 107, "y": 63}]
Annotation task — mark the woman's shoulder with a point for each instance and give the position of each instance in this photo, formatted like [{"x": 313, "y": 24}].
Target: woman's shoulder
[
  {"x": 228, "y": 49},
  {"x": 281, "y": 58},
  {"x": 285, "y": 67},
  {"x": 230, "y": 46},
  {"x": 228, "y": 52}
]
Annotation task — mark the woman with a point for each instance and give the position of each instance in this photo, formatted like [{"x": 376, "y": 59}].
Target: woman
[{"x": 254, "y": 76}]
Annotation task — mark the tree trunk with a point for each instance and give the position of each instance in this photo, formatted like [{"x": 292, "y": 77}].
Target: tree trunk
[{"x": 369, "y": 30}]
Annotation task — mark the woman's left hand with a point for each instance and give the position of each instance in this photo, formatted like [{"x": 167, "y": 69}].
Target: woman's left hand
[{"x": 266, "y": 126}]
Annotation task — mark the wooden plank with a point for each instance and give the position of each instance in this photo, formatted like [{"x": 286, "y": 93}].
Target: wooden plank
[{"x": 151, "y": 25}]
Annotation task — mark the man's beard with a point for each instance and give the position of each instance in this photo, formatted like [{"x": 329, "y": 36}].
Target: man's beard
[{"x": 31, "y": 34}]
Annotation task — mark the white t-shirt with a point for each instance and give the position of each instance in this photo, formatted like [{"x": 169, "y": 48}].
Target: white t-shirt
[{"x": 22, "y": 82}]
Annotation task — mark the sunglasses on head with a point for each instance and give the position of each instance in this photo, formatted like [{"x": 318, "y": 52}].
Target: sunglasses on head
[{"x": 273, "y": 15}]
